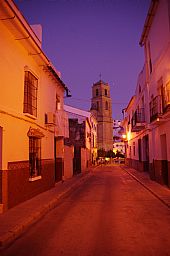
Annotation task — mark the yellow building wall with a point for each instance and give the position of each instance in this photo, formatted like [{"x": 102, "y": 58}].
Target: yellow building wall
[{"x": 15, "y": 59}]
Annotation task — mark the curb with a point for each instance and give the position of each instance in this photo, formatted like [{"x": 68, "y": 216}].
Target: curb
[
  {"x": 146, "y": 187},
  {"x": 18, "y": 230}
]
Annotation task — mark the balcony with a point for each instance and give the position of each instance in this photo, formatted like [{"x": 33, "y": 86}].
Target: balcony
[
  {"x": 155, "y": 108},
  {"x": 166, "y": 101},
  {"x": 138, "y": 120}
]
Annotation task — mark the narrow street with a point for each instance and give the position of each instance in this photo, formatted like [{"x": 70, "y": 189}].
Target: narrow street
[{"x": 110, "y": 214}]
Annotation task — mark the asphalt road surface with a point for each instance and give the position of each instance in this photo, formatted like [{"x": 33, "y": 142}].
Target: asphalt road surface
[{"x": 110, "y": 214}]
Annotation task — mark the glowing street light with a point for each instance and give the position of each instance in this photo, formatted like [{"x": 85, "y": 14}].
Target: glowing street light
[{"x": 124, "y": 136}]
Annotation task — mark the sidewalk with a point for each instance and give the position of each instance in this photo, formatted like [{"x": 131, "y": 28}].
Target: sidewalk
[
  {"x": 159, "y": 191},
  {"x": 16, "y": 220}
]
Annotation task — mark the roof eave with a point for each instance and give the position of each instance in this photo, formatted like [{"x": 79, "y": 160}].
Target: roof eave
[
  {"x": 148, "y": 21},
  {"x": 54, "y": 73}
]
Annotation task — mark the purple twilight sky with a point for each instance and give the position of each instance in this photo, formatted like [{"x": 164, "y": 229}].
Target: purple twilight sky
[{"x": 84, "y": 38}]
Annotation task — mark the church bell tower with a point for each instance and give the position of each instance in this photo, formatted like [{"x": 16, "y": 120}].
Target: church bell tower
[{"x": 101, "y": 107}]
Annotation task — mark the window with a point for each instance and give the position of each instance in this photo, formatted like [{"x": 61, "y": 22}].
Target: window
[
  {"x": 58, "y": 106},
  {"x": 105, "y": 92},
  {"x": 35, "y": 156},
  {"x": 30, "y": 94},
  {"x": 97, "y": 92},
  {"x": 106, "y": 105}
]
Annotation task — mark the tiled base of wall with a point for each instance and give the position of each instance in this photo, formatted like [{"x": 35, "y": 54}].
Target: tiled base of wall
[
  {"x": 159, "y": 170},
  {"x": 140, "y": 166},
  {"x": 20, "y": 188}
]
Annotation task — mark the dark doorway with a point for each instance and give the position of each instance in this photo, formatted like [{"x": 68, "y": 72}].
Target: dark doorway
[
  {"x": 58, "y": 164},
  {"x": 0, "y": 148},
  {"x": 77, "y": 160},
  {"x": 139, "y": 150},
  {"x": 164, "y": 161},
  {"x": 1, "y": 130},
  {"x": 146, "y": 152}
]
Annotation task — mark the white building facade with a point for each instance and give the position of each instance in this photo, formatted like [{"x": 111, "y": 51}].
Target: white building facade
[
  {"x": 147, "y": 117},
  {"x": 83, "y": 134},
  {"x": 118, "y": 137}
]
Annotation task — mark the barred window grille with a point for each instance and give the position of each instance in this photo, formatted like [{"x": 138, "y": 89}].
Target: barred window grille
[
  {"x": 35, "y": 156},
  {"x": 30, "y": 93}
]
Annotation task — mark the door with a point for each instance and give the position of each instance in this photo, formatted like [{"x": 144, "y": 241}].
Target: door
[
  {"x": 0, "y": 148},
  {"x": 0, "y": 164},
  {"x": 164, "y": 162},
  {"x": 139, "y": 150},
  {"x": 58, "y": 163},
  {"x": 77, "y": 160},
  {"x": 146, "y": 152},
  {"x": 55, "y": 168}
]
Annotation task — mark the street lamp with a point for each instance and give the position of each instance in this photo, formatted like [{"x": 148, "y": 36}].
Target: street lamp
[{"x": 124, "y": 136}]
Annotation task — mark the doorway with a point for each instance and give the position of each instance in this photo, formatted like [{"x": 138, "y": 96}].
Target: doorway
[
  {"x": 0, "y": 148},
  {"x": 164, "y": 161},
  {"x": 146, "y": 152},
  {"x": 58, "y": 161},
  {"x": 1, "y": 130},
  {"x": 77, "y": 160}
]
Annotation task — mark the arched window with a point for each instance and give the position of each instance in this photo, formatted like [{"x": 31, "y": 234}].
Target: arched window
[{"x": 106, "y": 105}]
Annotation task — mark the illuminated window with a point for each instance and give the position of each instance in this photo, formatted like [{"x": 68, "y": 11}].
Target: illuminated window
[
  {"x": 30, "y": 93},
  {"x": 35, "y": 156}
]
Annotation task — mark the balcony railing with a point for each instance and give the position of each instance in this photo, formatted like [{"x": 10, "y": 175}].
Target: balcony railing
[
  {"x": 166, "y": 101},
  {"x": 138, "y": 120},
  {"x": 155, "y": 108}
]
